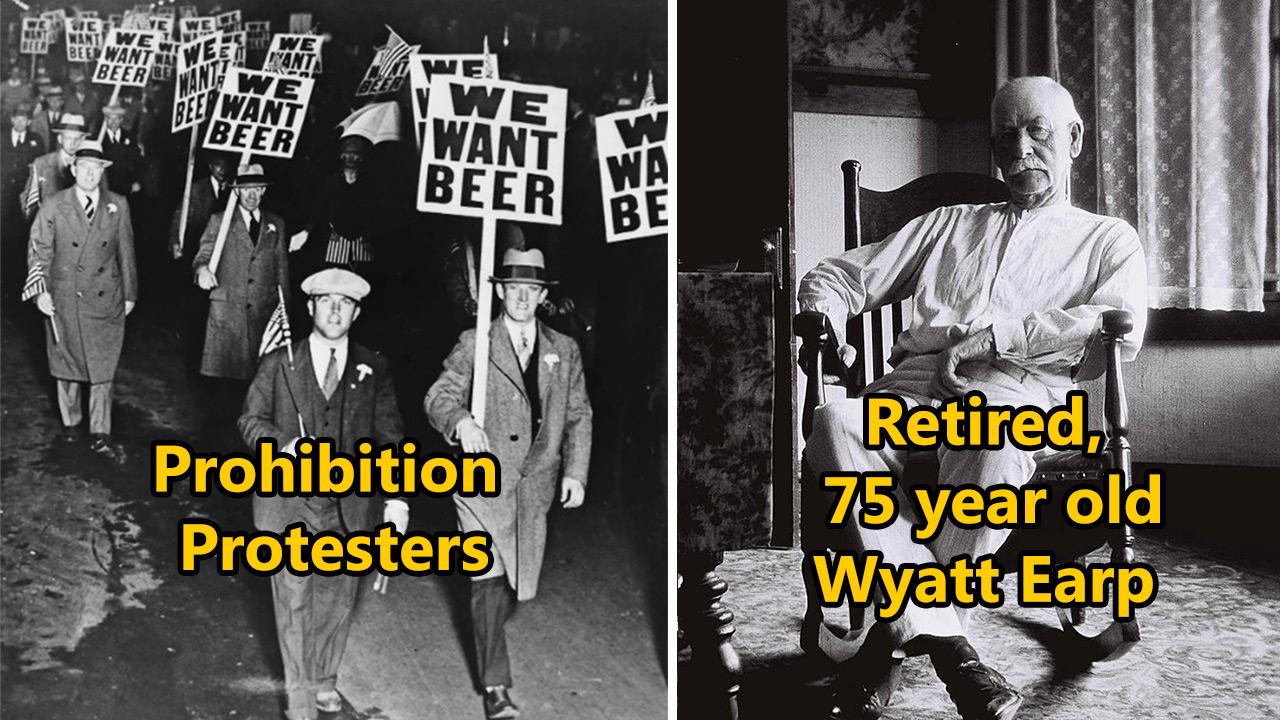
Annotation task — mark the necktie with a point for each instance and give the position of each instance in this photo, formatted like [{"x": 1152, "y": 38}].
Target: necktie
[
  {"x": 88, "y": 209},
  {"x": 331, "y": 374},
  {"x": 254, "y": 226},
  {"x": 526, "y": 349}
]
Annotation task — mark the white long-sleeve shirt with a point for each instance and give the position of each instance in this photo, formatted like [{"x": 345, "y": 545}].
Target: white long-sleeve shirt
[{"x": 1040, "y": 279}]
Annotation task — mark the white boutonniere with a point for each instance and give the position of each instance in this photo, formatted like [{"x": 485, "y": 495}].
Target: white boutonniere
[
  {"x": 364, "y": 371},
  {"x": 551, "y": 359},
  {"x": 271, "y": 227},
  {"x": 111, "y": 207}
]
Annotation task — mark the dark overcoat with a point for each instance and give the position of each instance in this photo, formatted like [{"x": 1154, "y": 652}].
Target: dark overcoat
[
  {"x": 90, "y": 271},
  {"x": 241, "y": 305},
  {"x": 531, "y": 467},
  {"x": 281, "y": 393}
]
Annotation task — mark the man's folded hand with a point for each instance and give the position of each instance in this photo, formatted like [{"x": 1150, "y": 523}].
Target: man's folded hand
[{"x": 980, "y": 345}]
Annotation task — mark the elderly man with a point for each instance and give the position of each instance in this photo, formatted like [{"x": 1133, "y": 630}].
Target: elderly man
[
  {"x": 1006, "y": 296},
  {"x": 538, "y": 425},
  {"x": 51, "y": 172},
  {"x": 82, "y": 275},
  {"x": 252, "y": 271},
  {"x": 330, "y": 387}
]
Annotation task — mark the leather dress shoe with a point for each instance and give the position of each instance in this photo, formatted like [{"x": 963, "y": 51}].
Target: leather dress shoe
[
  {"x": 71, "y": 434},
  {"x": 498, "y": 705},
  {"x": 981, "y": 693},
  {"x": 105, "y": 446}
]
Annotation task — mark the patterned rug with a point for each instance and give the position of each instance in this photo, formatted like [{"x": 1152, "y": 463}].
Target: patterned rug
[{"x": 1210, "y": 647}]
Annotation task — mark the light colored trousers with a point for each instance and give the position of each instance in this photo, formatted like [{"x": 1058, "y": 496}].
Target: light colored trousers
[{"x": 836, "y": 446}]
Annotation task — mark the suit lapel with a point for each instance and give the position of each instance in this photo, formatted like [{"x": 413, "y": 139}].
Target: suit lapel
[
  {"x": 502, "y": 354},
  {"x": 545, "y": 348}
]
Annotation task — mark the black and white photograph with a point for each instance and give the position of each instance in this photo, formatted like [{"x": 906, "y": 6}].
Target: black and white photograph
[
  {"x": 334, "y": 360},
  {"x": 978, "y": 360}
]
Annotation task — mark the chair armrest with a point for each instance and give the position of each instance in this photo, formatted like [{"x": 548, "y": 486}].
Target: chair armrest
[
  {"x": 1115, "y": 325},
  {"x": 818, "y": 352}
]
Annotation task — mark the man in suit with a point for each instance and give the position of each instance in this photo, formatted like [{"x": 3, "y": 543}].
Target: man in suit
[
  {"x": 21, "y": 148},
  {"x": 51, "y": 173},
  {"x": 82, "y": 275},
  {"x": 49, "y": 114},
  {"x": 243, "y": 291},
  {"x": 538, "y": 425},
  {"x": 208, "y": 194},
  {"x": 83, "y": 100},
  {"x": 330, "y": 387},
  {"x": 123, "y": 150}
]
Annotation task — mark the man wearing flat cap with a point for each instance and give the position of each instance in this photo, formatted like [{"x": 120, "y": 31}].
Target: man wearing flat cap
[
  {"x": 51, "y": 172},
  {"x": 82, "y": 275},
  {"x": 538, "y": 425},
  {"x": 328, "y": 387},
  {"x": 243, "y": 291}
]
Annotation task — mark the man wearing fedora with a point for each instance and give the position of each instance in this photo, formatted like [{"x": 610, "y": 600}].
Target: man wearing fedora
[
  {"x": 330, "y": 387},
  {"x": 82, "y": 275},
  {"x": 49, "y": 113},
  {"x": 51, "y": 173},
  {"x": 243, "y": 290},
  {"x": 538, "y": 426}
]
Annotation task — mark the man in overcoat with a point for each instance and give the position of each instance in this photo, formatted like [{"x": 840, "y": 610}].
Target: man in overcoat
[
  {"x": 243, "y": 291},
  {"x": 82, "y": 274},
  {"x": 538, "y": 426},
  {"x": 330, "y": 387},
  {"x": 51, "y": 172},
  {"x": 21, "y": 148}
]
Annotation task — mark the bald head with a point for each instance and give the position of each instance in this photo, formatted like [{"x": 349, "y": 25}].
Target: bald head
[{"x": 1035, "y": 132}]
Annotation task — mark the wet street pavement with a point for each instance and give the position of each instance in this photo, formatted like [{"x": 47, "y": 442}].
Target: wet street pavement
[{"x": 97, "y": 623}]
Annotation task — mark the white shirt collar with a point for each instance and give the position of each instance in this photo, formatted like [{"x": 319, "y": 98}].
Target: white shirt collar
[
  {"x": 248, "y": 216},
  {"x": 96, "y": 195},
  {"x": 18, "y": 137},
  {"x": 515, "y": 330},
  {"x": 320, "y": 355}
]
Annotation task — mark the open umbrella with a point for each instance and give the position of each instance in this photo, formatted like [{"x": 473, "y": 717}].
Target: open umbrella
[{"x": 376, "y": 122}]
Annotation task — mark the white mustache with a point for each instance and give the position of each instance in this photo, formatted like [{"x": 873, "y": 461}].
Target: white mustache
[{"x": 1020, "y": 166}]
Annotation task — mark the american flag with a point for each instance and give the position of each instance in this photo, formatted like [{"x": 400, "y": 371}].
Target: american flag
[
  {"x": 277, "y": 333},
  {"x": 32, "y": 196},
  {"x": 393, "y": 52},
  {"x": 35, "y": 282}
]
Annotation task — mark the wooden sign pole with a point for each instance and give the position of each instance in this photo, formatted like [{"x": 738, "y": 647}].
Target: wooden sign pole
[
  {"x": 226, "y": 221},
  {"x": 484, "y": 311},
  {"x": 186, "y": 192}
]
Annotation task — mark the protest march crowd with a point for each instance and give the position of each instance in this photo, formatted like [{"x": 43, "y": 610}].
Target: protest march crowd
[{"x": 237, "y": 176}]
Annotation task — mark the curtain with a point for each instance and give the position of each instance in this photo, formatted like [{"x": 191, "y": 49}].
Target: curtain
[{"x": 1173, "y": 94}]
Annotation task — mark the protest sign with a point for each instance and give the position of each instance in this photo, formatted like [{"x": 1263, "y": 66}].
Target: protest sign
[
  {"x": 633, "y": 172},
  {"x": 57, "y": 20},
  {"x": 200, "y": 69},
  {"x": 86, "y": 14},
  {"x": 294, "y": 55},
  {"x": 84, "y": 39},
  {"x": 191, "y": 28},
  {"x": 233, "y": 47},
  {"x": 35, "y": 37},
  {"x": 168, "y": 11},
  {"x": 114, "y": 21},
  {"x": 493, "y": 148},
  {"x": 127, "y": 57},
  {"x": 390, "y": 65},
  {"x": 422, "y": 67},
  {"x": 259, "y": 34},
  {"x": 229, "y": 22},
  {"x": 258, "y": 112},
  {"x": 300, "y": 23},
  {"x": 164, "y": 24},
  {"x": 166, "y": 58},
  {"x": 136, "y": 20}
]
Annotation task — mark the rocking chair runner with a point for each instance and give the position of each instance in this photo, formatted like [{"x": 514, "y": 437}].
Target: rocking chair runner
[{"x": 874, "y": 215}]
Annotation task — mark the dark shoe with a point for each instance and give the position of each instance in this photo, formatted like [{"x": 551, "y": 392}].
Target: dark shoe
[
  {"x": 981, "y": 693},
  {"x": 105, "y": 446},
  {"x": 498, "y": 705},
  {"x": 866, "y": 683},
  {"x": 71, "y": 434}
]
